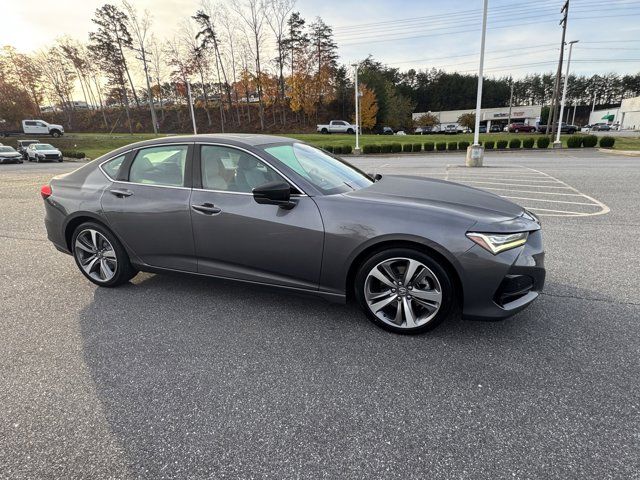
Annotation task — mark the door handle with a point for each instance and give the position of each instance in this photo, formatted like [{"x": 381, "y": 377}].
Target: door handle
[
  {"x": 121, "y": 192},
  {"x": 206, "y": 208}
]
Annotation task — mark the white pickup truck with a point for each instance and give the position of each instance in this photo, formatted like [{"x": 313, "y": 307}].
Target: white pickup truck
[
  {"x": 35, "y": 127},
  {"x": 336, "y": 126}
]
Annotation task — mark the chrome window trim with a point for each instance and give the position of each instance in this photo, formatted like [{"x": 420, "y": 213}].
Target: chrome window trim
[
  {"x": 108, "y": 160},
  {"x": 303, "y": 194}
]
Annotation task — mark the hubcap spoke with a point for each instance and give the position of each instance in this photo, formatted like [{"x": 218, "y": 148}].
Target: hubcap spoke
[
  {"x": 428, "y": 295},
  {"x": 96, "y": 255},
  {"x": 377, "y": 273},
  {"x": 83, "y": 246},
  {"x": 90, "y": 263},
  {"x": 409, "y": 273},
  {"x": 94, "y": 239},
  {"x": 376, "y": 307},
  {"x": 109, "y": 254},
  {"x": 105, "y": 270},
  {"x": 371, "y": 296},
  {"x": 409, "y": 316}
]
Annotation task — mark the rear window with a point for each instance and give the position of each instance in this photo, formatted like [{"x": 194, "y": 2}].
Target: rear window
[{"x": 112, "y": 166}]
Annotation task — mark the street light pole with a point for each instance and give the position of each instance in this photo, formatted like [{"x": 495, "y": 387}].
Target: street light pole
[
  {"x": 475, "y": 152},
  {"x": 357, "y": 100},
  {"x": 557, "y": 143}
]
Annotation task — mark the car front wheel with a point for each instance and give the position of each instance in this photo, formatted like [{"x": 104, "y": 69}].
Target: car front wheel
[
  {"x": 100, "y": 256},
  {"x": 404, "y": 291}
]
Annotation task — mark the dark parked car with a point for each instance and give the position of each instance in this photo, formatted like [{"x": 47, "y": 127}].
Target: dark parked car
[
  {"x": 9, "y": 155},
  {"x": 495, "y": 128},
  {"x": 22, "y": 147},
  {"x": 600, "y": 127},
  {"x": 379, "y": 130},
  {"x": 482, "y": 129},
  {"x": 521, "y": 127},
  {"x": 274, "y": 211},
  {"x": 564, "y": 128},
  {"x": 428, "y": 130}
]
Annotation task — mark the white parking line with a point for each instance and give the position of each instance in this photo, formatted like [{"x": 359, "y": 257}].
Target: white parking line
[{"x": 537, "y": 186}]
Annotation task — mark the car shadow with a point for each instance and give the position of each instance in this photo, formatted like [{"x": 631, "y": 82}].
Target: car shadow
[{"x": 207, "y": 378}]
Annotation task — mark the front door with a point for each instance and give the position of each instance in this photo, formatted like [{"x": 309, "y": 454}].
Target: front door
[
  {"x": 148, "y": 207},
  {"x": 238, "y": 238}
]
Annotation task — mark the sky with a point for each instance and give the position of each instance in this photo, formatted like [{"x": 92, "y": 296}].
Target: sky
[{"x": 522, "y": 37}]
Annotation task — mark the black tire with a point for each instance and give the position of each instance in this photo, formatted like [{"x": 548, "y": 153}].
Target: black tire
[
  {"x": 55, "y": 134},
  {"x": 60, "y": 160},
  {"x": 324, "y": 131},
  {"x": 350, "y": 131},
  {"x": 446, "y": 284},
  {"x": 124, "y": 271}
]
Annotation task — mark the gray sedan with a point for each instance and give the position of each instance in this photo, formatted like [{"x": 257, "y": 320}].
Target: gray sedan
[{"x": 275, "y": 211}]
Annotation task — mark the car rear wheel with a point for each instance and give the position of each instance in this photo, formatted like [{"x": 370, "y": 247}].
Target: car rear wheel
[
  {"x": 100, "y": 256},
  {"x": 404, "y": 291}
]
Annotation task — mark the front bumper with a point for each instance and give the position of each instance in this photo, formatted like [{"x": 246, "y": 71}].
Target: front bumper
[{"x": 498, "y": 286}]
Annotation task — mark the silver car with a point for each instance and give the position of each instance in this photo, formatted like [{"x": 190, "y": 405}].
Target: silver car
[
  {"x": 40, "y": 152},
  {"x": 275, "y": 211}
]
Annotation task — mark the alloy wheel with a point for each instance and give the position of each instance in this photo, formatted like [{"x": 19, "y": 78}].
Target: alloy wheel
[
  {"x": 403, "y": 292},
  {"x": 96, "y": 255}
]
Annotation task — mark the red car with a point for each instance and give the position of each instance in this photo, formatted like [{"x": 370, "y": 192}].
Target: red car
[{"x": 521, "y": 127}]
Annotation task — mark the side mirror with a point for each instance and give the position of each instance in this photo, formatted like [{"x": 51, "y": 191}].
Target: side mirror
[
  {"x": 274, "y": 193},
  {"x": 374, "y": 176}
]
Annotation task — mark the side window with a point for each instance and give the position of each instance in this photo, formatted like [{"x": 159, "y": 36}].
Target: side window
[
  {"x": 232, "y": 170},
  {"x": 40, "y": 124},
  {"x": 30, "y": 124},
  {"x": 162, "y": 165},
  {"x": 113, "y": 165}
]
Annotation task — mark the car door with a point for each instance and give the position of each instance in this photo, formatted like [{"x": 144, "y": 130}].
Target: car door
[
  {"x": 29, "y": 127},
  {"x": 238, "y": 238},
  {"x": 147, "y": 205}
]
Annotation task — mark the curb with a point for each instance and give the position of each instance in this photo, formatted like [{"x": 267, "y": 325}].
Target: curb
[{"x": 628, "y": 153}]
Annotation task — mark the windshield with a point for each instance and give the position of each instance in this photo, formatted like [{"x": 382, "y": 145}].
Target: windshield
[
  {"x": 44, "y": 146},
  {"x": 328, "y": 174},
  {"x": 7, "y": 149}
]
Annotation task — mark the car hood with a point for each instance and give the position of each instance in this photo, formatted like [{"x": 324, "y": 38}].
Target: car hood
[
  {"x": 10, "y": 154},
  {"x": 484, "y": 207}
]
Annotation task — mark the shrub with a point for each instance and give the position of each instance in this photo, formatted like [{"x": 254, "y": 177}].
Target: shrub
[
  {"x": 329, "y": 148},
  {"x": 429, "y": 146},
  {"x": 543, "y": 142},
  {"x": 386, "y": 148},
  {"x": 396, "y": 147},
  {"x": 347, "y": 149},
  {"x": 441, "y": 146},
  {"x": 72, "y": 154},
  {"x": 489, "y": 144},
  {"x": 574, "y": 141},
  {"x": 368, "y": 148},
  {"x": 417, "y": 147},
  {"x": 337, "y": 149},
  {"x": 463, "y": 145},
  {"x": 406, "y": 147},
  {"x": 377, "y": 148},
  {"x": 515, "y": 143},
  {"x": 607, "y": 142},
  {"x": 452, "y": 146},
  {"x": 528, "y": 142},
  {"x": 501, "y": 144},
  {"x": 589, "y": 141}
]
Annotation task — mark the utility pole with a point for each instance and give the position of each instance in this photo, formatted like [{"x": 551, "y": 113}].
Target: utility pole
[
  {"x": 551, "y": 121},
  {"x": 193, "y": 117},
  {"x": 143, "y": 57},
  {"x": 558, "y": 143},
  {"x": 475, "y": 152},
  {"x": 357, "y": 90},
  {"x": 510, "y": 103}
]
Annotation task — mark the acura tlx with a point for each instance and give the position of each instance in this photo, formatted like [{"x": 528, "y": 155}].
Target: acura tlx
[{"x": 275, "y": 211}]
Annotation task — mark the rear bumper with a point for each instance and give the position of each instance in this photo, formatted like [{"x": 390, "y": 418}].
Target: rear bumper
[{"x": 498, "y": 286}]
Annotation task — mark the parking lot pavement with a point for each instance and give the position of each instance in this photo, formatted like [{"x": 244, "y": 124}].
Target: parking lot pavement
[{"x": 180, "y": 377}]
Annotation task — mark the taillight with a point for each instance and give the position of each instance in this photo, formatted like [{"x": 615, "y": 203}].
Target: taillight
[{"x": 45, "y": 191}]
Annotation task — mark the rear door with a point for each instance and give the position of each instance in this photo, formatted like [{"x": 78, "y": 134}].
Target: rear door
[
  {"x": 238, "y": 238},
  {"x": 148, "y": 205}
]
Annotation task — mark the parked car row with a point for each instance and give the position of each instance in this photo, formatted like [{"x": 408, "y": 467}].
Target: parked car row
[{"x": 31, "y": 150}]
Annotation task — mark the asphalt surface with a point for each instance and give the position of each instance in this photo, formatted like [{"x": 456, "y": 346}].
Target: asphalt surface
[{"x": 179, "y": 377}]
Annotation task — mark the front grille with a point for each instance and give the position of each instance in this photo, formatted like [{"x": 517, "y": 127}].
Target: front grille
[
  {"x": 52, "y": 156},
  {"x": 512, "y": 288}
]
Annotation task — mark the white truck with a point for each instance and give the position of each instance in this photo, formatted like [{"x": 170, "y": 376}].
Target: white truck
[
  {"x": 336, "y": 126},
  {"x": 35, "y": 127}
]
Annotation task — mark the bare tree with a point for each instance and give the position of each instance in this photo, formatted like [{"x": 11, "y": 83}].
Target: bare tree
[
  {"x": 139, "y": 26},
  {"x": 156, "y": 55},
  {"x": 278, "y": 12},
  {"x": 230, "y": 41},
  {"x": 199, "y": 62},
  {"x": 252, "y": 13}
]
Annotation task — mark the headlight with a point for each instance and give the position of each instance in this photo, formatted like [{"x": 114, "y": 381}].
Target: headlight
[{"x": 498, "y": 242}]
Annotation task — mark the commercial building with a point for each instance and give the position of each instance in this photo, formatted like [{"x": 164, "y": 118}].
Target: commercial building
[
  {"x": 528, "y": 114},
  {"x": 627, "y": 115}
]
